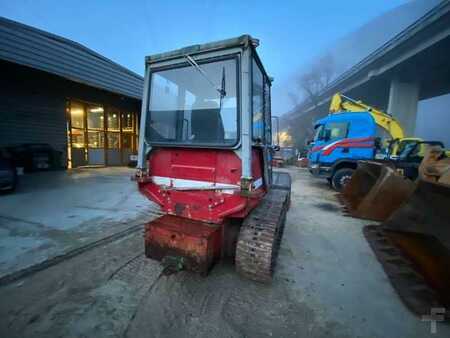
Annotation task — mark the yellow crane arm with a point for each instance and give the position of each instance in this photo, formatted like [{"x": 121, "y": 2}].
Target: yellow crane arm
[{"x": 340, "y": 103}]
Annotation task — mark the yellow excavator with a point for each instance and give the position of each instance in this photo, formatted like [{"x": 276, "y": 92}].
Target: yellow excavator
[{"x": 398, "y": 142}]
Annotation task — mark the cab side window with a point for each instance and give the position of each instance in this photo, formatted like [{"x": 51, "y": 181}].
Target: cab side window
[
  {"x": 257, "y": 103},
  {"x": 318, "y": 135},
  {"x": 335, "y": 130}
]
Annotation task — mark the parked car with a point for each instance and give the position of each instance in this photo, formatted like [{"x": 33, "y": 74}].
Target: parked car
[
  {"x": 35, "y": 156},
  {"x": 132, "y": 160},
  {"x": 8, "y": 174}
]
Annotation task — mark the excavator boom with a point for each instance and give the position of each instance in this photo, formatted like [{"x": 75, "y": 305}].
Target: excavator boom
[{"x": 340, "y": 103}]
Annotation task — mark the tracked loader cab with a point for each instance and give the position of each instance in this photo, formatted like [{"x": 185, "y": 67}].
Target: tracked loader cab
[{"x": 204, "y": 156}]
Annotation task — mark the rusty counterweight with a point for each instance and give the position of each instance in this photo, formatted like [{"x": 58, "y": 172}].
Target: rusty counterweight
[{"x": 197, "y": 243}]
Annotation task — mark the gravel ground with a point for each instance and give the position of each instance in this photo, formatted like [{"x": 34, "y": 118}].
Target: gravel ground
[{"x": 327, "y": 284}]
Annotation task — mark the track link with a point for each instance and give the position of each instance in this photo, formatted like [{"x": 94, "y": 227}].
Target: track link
[{"x": 260, "y": 237}]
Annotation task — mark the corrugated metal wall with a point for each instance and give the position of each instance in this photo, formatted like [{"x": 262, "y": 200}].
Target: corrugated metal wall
[
  {"x": 32, "y": 108},
  {"x": 33, "y": 105},
  {"x": 41, "y": 50},
  {"x": 28, "y": 118},
  {"x": 40, "y": 71}
]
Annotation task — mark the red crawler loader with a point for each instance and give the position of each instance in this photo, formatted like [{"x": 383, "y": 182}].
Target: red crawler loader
[{"x": 205, "y": 157}]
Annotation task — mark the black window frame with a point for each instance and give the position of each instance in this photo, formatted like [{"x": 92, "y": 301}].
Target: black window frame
[
  {"x": 265, "y": 79},
  {"x": 318, "y": 134},
  {"x": 233, "y": 56}
]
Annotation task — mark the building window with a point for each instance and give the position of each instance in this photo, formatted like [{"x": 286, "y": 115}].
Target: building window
[
  {"x": 128, "y": 131},
  {"x": 94, "y": 129},
  {"x": 127, "y": 141},
  {"x": 96, "y": 139},
  {"x": 113, "y": 121},
  {"x": 77, "y": 138},
  {"x": 95, "y": 117},
  {"x": 77, "y": 115},
  {"x": 113, "y": 140},
  {"x": 127, "y": 122}
]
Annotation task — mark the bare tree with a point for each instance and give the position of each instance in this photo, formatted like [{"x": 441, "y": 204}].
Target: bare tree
[
  {"x": 310, "y": 83},
  {"x": 317, "y": 78},
  {"x": 294, "y": 98}
]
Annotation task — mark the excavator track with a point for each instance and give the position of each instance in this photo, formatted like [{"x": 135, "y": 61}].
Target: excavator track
[{"x": 260, "y": 237}]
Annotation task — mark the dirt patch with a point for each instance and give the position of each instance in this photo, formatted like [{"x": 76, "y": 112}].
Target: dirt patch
[
  {"x": 115, "y": 291},
  {"x": 223, "y": 305},
  {"x": 320, "y": 289}
]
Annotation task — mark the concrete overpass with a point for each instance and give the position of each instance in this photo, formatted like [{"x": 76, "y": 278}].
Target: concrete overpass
[{"x": 413, "y": 66}]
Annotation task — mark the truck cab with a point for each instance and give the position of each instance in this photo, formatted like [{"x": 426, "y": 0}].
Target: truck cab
[{"x": 340, "y": 140}]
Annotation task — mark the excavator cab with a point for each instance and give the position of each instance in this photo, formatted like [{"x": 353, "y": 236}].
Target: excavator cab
[{"x": 204, "y": 156}]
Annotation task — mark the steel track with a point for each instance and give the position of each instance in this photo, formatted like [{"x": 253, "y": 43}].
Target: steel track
[{"x": 260, "y": 237}]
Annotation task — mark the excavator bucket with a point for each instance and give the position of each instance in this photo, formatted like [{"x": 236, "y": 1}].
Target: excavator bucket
[
  {"x": 413, "y": 245},
  {"x": 363, "y": 179},
  {"x": 375, "y": 191}
]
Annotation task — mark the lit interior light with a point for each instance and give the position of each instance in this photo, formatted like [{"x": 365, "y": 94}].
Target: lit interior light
[
  {"x": 96, "y": 110},
  {"x": 76, "y": 112}
]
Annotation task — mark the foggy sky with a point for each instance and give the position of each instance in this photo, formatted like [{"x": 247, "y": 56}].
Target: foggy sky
[{"x": 292, "y": 33}]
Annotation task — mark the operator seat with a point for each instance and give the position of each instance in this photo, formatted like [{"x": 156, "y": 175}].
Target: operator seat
[{"x": 206, "y": 122}]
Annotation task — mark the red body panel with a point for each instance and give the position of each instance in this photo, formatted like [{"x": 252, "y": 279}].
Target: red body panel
[{"x": 189, "y": 167}]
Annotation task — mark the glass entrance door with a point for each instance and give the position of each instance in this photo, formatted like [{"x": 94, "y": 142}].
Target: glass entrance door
[
  {"x": 113, "y": 137},
  {"x": 128, "y": 144},
  {"x": 77, "y": 134},
  {"x": 100, "y": 136},
  {"x": 96, "y": 135}
]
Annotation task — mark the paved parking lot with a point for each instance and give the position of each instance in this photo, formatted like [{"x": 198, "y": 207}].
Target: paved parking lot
[{"x": 53, "y": 212}]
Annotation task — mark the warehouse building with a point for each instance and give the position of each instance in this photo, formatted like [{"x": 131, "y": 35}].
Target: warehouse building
[{"x": 55, "y": 91}]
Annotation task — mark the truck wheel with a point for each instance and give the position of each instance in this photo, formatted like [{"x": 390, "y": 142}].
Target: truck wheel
[
  {"x": 341, "y": 177},
  {"x": 330, "y": 182}
]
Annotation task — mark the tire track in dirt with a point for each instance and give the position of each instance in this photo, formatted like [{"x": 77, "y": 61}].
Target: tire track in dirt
[
  {"x": 90, "y": 295},
  {"x": 113, "y": 290},
  {"x": 223, "y": 305}
]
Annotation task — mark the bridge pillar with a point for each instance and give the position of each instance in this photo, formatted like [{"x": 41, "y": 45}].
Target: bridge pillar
[{"x": 403, "y": 101}]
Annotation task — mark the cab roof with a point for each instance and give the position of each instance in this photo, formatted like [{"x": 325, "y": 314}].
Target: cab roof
[
  {"x": 344, "y": 116},
  {"x": 242, "y": 40}
]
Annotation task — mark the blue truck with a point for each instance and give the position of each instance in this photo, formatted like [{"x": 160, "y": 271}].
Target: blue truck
[
  {"x": 341, "y": 140},
  {"x": 353, "y": 131}
]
